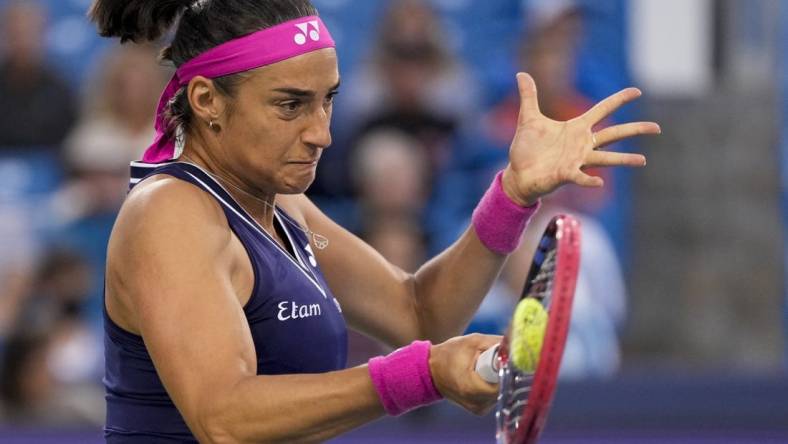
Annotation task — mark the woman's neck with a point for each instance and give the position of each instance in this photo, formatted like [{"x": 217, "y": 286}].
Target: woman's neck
[{"x": 259, "y": 204}]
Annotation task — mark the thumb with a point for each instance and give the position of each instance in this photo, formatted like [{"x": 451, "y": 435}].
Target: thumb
[{"x": 529, "y": 102}]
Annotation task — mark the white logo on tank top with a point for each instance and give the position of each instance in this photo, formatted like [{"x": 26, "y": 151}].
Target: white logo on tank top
[{"x": 311, "y": 255}]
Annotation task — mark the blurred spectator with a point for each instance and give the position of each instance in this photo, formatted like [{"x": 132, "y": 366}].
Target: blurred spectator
[
  {"x": 548, "y": 52},
  {"x": 412, "y": 83},
  {"x": 38, "y": 111},
  {"x": 31, "y": 393},
  {"x": 407, "y": 113},
  {"x": 57, "y": 302},
  {"x": 59, "y": 291},
  {"x": 38, "y": 106},
  {"x": 16, "y": 282},
  {"x": 115, "y": 128},
  {"x": 52, "y": 361},
  {"x": 390, "y": 175},
  {"x": 25, "y": 383}
]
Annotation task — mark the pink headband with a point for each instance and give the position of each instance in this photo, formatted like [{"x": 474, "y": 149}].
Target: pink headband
[{"x": 262, "y": 48}]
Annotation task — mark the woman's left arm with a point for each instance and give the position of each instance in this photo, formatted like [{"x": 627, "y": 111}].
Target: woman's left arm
[{"x": 437, "y": 301}]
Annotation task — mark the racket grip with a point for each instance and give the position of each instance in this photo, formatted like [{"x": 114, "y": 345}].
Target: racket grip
[{"x": 487, "y": 365}]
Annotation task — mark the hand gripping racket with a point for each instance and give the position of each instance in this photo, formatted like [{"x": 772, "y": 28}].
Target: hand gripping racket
[{"x": 527, "y": 360}]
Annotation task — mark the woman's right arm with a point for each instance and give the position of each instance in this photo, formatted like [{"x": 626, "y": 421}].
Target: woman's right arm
[{"x": 170, "y": 261}]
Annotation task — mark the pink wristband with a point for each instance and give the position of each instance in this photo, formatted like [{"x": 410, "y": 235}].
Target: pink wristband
[
  {"x": 499, "y": 222},
  {"x": 403, "y": 380}
]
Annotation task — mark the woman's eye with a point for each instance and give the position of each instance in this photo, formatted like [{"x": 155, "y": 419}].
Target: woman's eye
[{"x": 291, "y": 106}]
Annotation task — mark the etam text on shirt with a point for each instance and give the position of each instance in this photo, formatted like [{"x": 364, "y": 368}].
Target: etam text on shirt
[{"x": 290, "y": 310}]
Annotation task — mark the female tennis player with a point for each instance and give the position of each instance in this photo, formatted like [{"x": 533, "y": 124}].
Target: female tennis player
[{"x": 228, "y": 292}]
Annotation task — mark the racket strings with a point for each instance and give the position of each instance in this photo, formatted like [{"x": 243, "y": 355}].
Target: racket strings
[
  {"x": 541, "y": 286},
  {"x": 520, "y": 396},
  {"x": 513, "y": 401},
  {"x": 516, "y": 384}
]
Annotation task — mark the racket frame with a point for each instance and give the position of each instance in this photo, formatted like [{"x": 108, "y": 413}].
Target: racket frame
[{"x": 563, "y": 235}]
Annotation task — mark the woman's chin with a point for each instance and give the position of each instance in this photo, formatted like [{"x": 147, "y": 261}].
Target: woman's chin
[{"x": 298, "y": 185}]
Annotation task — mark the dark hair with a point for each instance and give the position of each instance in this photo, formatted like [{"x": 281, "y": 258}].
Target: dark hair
[{"x": 201, "y": 25}]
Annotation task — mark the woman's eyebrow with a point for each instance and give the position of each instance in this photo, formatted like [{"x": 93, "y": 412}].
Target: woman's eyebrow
[
  {"x": 296, "y": 92},
  {"x": 303, "y": 93}
]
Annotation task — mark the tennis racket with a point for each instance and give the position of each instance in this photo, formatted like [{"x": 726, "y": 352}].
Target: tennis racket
[{"x": 527, "y": 360}]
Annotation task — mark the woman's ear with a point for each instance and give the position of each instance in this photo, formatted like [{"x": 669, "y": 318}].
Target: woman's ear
[{"x": 206, "y": 102}]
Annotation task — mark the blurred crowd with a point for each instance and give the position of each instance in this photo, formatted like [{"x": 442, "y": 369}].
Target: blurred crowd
[{"x": 417, "y": 142}]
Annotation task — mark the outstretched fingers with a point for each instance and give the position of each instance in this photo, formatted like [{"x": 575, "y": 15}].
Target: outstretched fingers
[
  {"x": 619, "y": 132},
  {"x": 608, "y": 159},
  {"x": 603, "y": 159},
  {"x": 529, "y": 102},
  {"x": 586, "y": 180},
  {"x": 609, "y": 105}
]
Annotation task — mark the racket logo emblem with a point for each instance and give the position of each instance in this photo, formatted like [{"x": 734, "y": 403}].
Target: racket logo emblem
[{"x": 310, "y": 30}]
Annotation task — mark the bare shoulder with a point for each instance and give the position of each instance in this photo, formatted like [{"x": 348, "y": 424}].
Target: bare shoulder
[
  {"x": 164, "y": 224},
  {"x": 163, "y": 206},
  {"x": 165, "y": 219}
]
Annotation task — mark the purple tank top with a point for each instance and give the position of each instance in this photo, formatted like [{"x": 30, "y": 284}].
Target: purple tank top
[{"x": 296, "y": 323}]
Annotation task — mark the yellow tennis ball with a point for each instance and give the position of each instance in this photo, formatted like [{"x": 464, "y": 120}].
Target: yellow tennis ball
[{"x": 528, "y": 329}]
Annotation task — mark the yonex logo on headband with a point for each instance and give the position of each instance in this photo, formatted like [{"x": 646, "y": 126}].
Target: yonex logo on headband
[{"x": 314, "y": 34}]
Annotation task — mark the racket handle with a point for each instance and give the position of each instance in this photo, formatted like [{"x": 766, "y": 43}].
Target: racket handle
[{"x": 487, "y": 365}]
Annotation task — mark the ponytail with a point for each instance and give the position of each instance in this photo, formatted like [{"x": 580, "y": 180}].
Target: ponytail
[{"x": 136, "y": 20}]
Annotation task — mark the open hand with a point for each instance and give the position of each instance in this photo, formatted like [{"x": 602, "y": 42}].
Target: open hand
[{"x": 546, "y": 153}]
